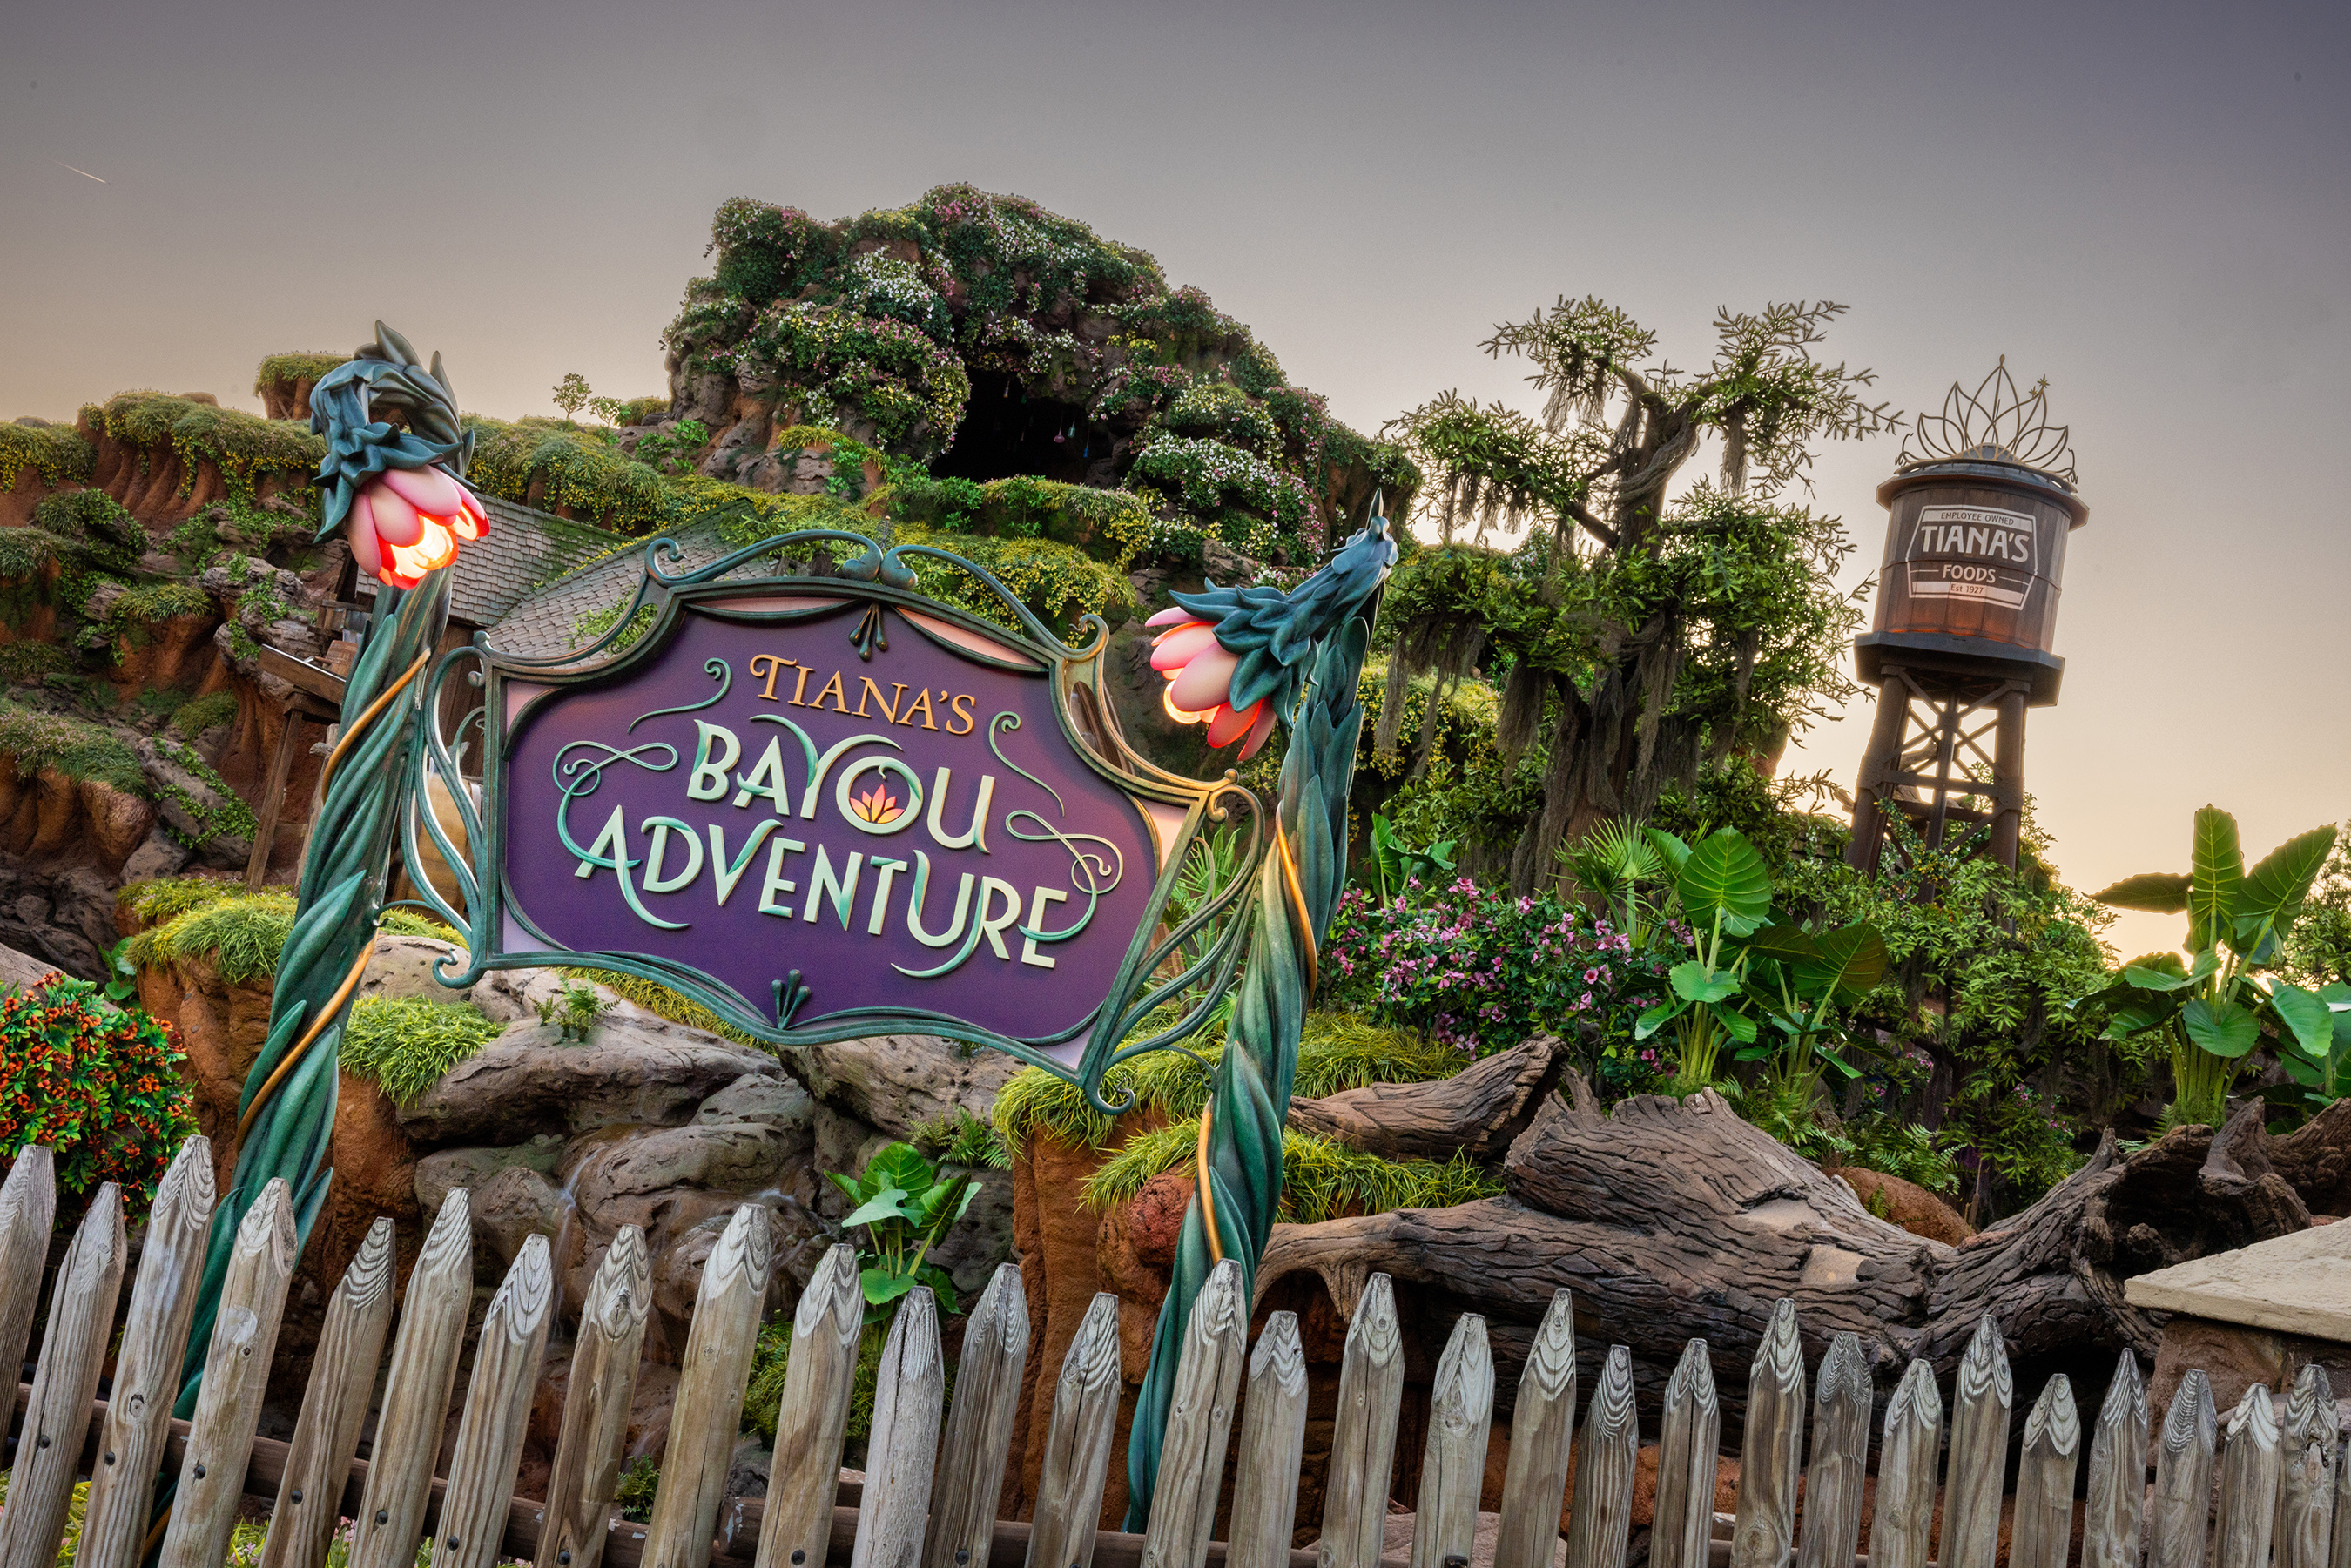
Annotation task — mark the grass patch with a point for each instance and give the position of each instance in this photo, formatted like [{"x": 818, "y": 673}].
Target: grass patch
[
  {"x": 286, "y": 370},
  {"x": 78, "y": 750},
  {"x": 1336, "y": 1051},
  {"x": 1320, "y": 1179},
  {"x": 200, "y": 714},
  {"x": 242, "y": 932},
  {"x": 25, "y": 551},
  {"x": 407, "y": 1044},
  {"x": 658, "y": 998},
  {"x": 25, "y": 663}
]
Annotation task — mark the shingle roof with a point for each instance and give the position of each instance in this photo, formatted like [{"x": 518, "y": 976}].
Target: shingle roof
[
  {"x": 524, "y": 548},
  {"x": 547, "y": 620}
]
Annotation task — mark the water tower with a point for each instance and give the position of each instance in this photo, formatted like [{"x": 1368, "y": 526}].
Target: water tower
[{"x": 1978, "y": 512}]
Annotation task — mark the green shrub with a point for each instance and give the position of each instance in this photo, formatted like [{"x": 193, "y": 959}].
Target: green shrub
[
  {"x": 242, "y": 932},
  {"x": 639, "y": 1485},
  {"x": 113, "y": 538},
  {"x": 56, "y": 451},
  {"x": 407, "y": 1044},
  {"x": 22, "y": 663},
  {"x": 76, "y": 1507},
  {"x": 100, "y": 1088},
  {"x": 166, "y": 898},
  {"x": 245, "y": 447},
  {"x": 25, "y": 551},
  {"x": 578, "y": 472},
  {"x": 772, "y": 1359},
  {"x": 286, "y": 370}
]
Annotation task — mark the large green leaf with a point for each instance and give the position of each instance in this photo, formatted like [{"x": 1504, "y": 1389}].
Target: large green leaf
[
  {"x": 1724, "y": 878},
  {"x": 2337, "y": 997},
  {"x": 1657, "y": 1018},
  {"x": 2273, "y": 895},
  {"x": 1781, "y": 940},
  {"x": 889, "y": 1203},
  {"x": 2225, "y": 1029},
  {"x": 1670, "y": 849},
  {"x": 883, "y": 1285},
  {"x": 1693, "y": 984},
  {"x": 2309, "y": 1022},
  {"x": 1737, "y": 1025},
  {"x": 2216, "y": 875},
  {"x": 2159, "y": 891},
  {"x": 899, "y": 1165},
  {"x": 1850, "y": 962}
]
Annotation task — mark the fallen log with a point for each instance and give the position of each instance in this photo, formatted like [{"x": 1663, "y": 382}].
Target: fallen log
[{"x": 1481, "y": 1109}]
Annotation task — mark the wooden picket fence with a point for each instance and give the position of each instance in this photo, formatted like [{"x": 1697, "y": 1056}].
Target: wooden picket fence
[{"x": 930, "y": 1489}]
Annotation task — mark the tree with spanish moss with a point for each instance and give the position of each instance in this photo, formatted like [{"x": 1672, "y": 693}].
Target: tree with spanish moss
[{"x": 1636, "y": 629}]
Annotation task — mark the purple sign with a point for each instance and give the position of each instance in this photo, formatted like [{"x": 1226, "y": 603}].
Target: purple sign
[{"x": 914, "y": 832}]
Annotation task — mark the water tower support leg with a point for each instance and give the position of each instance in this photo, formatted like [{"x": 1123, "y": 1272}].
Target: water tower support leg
[
  {"x": 1879, "y": 765},
  {"x": 2008, "y": 778}
]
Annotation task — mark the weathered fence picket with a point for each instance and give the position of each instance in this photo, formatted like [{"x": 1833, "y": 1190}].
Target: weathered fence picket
[
  {"x": 1607, "y": 1455},
  {"x": 2305, "y": 1513},
  {"x": 416, "y": 1391},
  {"x": 1364, "y": 1432},
  {"x": 595, "y": 1428},
  {"x": 708, "y": 1408},
  {"x": 2118, "y": 1493},
  {"x": 979, "y": 1426},
  {"x": 1689, "y": 1446},
  {"x": 1980, "y": 1417},
  {"x": 334, "y": 1406},
  {"x": 2183, "y": 1478},
  {"x": 1273, "y": 1442},
  {"x": 1899, "y": 1531},
  {"x": 236, "y": 1373},
  {"x": 65, "y": 1381},
  {"x": 1453, "y": 1465},
  {"x": 2044, "y": 1479},
  {"x": 904, "y": 1449},
  {"x": 1078, "y": 1442},
  {"x": 29, "y": 1209},
  {"x": 929, "y": 1496},
  {"x": 1200, "y": 1422},
  {"x": 1764, "y": 1535},
  {"x": 1534, "y": 1484},
  {"x": 147, "y": 1369},
  {"x": 2249, "y": 1484},
  {"x": 1834, "y": 1486},
  {"x": 497, "y": 1411}
]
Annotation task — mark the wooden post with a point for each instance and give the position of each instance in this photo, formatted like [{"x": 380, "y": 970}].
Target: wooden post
[
  {"x": 1832, "y": 1488},
  {"x": 2183, "y": 1478},
  {"x": 1904, "y": 1518},
  {"x": 812, "y": 1417},
  {"x": 1980, "y": 1412},
  {"x": 2304, "y": 1534},
  {"x": 1541, "y": 1428},
  {"x": 1764, "y": 1535},
  {"x": 236, "y": 1373},
  {"x": 979, "y": 1427},
  {"x": 2111, "y": 1520},
  {"x": 497, "y": 1413},
  {"x": 82, "y": 1320},
  {"x": 709, "y": 1404},
  {"x": 2339, "y": 1554},
  {"x": 1199, "y": 1419},
  {"x": 596, "y": 1412},
  {"x": 2044, "y": 1479},
  {"x": 334, "y": 1407},
  {"x": 1688, "y": 1448},
  {"x": 1883, "y": 755},
  {"x": 2249, "y": 1484},
  {"x": 1273, "y": 1442},
  {"x": 1077, "y": 1445},
  {"x": 2008, "y": 778},
  {"x": 901, "y": 1455},
  {"x": 147, "y": 1369},
  {"x": 1600, "y": 1526},
  {"x": 1363, "y": 1431},
  {"x": 1453, "y": 1467},
  {"x": 273, "y": 801},
  {"x": 416, "y": 1391},
  {"x": 28, "y": 1209}
]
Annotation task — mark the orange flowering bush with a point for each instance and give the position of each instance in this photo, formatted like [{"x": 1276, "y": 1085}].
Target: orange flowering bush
[{"x": 101, "y": 1089}]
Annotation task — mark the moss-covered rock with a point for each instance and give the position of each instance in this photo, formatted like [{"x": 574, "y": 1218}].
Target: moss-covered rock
[
  {"x": 283, "y": 382},
  {"x": 166, "y": 457}
]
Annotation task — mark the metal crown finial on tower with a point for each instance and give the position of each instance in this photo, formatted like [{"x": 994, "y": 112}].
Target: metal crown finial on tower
[{"x": 1994, "y": 423}]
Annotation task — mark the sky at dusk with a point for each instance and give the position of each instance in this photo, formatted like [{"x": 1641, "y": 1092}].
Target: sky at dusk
[{"x": 2146, "y": 204}]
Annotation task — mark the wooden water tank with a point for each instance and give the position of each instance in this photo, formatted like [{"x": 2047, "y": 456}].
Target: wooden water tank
[{"x": 1974, "y": 562}]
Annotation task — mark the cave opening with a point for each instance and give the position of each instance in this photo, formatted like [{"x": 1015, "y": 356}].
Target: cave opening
[{"x": 1005, "y": 431}]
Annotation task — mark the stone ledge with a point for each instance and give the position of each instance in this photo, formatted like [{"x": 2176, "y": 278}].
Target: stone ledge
[{"x": 2298, "y": 1285}]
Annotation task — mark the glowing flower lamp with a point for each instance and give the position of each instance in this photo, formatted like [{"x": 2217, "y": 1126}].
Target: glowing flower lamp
[
  {"x": 407, "y": 522},
  {"x": 1199, "y": 674}
]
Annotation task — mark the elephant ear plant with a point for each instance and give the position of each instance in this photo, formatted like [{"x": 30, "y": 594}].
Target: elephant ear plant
[
  {"x": 905, "y": 1206},
  {"x": 2215, "y": 1008},
  {"x": 1749, "y": 972}
]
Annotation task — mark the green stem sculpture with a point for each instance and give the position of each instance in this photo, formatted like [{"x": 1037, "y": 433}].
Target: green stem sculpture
[
  {"x": 1303, "y": 652},
  {"x": 285, "y": 1117}
]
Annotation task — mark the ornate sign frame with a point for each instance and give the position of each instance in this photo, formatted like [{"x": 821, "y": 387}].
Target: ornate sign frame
[{"x": 1190, "y": 965}]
